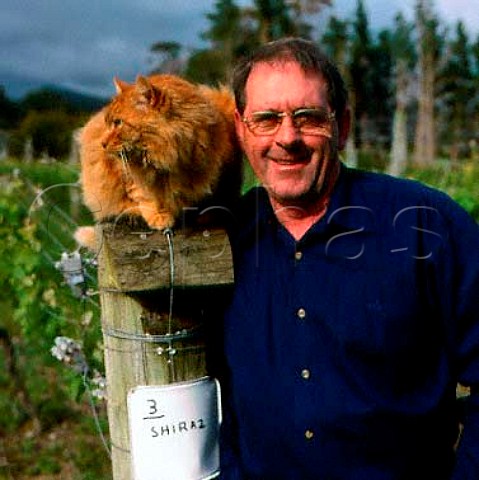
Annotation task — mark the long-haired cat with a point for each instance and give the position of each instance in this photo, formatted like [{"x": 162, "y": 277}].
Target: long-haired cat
[{"x": 162, "y": 144}]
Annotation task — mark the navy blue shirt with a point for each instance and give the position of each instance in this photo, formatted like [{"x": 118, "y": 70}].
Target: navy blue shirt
[{"x": 344, "y": 348}]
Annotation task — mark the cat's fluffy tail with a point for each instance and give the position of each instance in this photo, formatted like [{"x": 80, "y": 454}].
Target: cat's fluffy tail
[{"x": 86, "y": 237}]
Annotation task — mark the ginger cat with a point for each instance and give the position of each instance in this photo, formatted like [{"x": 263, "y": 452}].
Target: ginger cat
[{"x": 162, "y": 144}]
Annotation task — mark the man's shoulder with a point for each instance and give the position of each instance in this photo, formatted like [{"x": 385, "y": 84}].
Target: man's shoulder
[
  {"x": 382, "y": 192},
  {"x": 252, "y": 207},
  {"x": 379, "y": 182},
  {"x": 386, "y": 188},
  {"x": 256, "y": 201}
]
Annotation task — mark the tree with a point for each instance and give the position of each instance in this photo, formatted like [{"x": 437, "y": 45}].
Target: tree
[
  {"x": 50, "y": 134},
  {"x": 380, "y": 110},
  {"x": 206, "y": 66},
  {"x": 308, "y": 7},
  {"x": 428, "y": 54},
  {"x": 301, "y": 9},
  {"x": 225, "y": 30},
  {"x": 274, "y": 20},
  {"x": 475, "y": 56},
  {"x": 234, "y": 31},
  {"x": 169, "y": 57},
  {"x": 9, "y": 111},
  {"x": 475, "y": 101},
  {"x": 46, "y": 100},
  {"x": 336, "y": 43},
  {"x": 225, "y": 34},
  {"x": 457, "y": 94},
  {"x": 361, "y": 70},
  {"x": 403, "y": 54}
]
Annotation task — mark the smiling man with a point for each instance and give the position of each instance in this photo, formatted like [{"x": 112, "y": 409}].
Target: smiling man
[
  {"x": 356, "y": 303},
  {"x": 288, "y": 131}
]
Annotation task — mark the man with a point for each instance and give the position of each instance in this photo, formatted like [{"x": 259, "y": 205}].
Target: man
[{"x": 356, "y": 306}]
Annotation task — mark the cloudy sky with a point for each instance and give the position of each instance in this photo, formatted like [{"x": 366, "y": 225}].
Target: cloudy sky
[{"x": 83, "y": 44}]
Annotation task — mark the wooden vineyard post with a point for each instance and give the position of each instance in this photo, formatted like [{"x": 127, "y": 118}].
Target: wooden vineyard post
[{"x": 154, "y": 290}]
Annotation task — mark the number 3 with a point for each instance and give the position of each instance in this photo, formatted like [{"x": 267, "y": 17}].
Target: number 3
[{"x": 153, "y": 407}]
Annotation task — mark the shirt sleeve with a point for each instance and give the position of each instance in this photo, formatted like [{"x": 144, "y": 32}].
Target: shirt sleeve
[
  {"x": 467, "y": 459},
  {"x": 229, "y": 456},
  {"x": 229, "y": 464},
  {"x": 461, "y": 279}
]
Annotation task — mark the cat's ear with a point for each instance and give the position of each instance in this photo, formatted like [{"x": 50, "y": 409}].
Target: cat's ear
[
  {"x": 152, "y": 95},
  {"x": 120, "y": 85}
]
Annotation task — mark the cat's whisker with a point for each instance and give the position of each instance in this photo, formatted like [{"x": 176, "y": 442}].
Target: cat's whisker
[{"x": 124, "y": 162}]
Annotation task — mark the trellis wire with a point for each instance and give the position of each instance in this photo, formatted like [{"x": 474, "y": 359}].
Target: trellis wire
[{"x": 50, "y": 260}]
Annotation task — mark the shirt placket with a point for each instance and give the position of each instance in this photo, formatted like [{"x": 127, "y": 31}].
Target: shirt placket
[{"x": 305, "y": 374}]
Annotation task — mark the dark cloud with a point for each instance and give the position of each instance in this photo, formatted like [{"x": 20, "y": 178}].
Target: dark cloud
[{"x": 84, "y": 44}]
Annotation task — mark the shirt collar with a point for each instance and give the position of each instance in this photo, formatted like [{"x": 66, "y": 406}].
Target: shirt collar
[
  {"x": 350, "y": 205},
  {"x": 344, "y": 213}
]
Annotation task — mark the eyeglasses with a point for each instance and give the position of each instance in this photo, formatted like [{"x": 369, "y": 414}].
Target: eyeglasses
[{"x": 308, "y": 121}]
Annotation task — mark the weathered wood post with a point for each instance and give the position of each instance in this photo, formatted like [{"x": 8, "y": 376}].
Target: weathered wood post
[{"x": 153, "y": 289}]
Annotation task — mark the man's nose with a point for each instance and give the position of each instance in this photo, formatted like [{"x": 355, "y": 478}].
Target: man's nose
[{"x": 287, "y": 132}]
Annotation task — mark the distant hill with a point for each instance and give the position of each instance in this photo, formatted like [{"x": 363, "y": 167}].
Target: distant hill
[
  {"x": 80, "y": 101},
  {"x": 74, "y": 100},
  {"x": 46, "y": 98}
]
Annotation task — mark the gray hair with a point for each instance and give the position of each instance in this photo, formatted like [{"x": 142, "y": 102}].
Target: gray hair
[{"x": 303, "y": 52}]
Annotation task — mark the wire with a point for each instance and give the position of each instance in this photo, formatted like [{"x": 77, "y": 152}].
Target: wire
[{"x": 95, "y": 412}]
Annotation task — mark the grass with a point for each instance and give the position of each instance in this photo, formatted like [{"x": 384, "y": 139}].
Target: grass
[{"x": 59, "y": 441}]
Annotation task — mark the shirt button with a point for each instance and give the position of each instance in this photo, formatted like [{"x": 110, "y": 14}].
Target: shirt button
[
  {"x": 298, "y": 255},
  {"x": 305, "y": 373},
  {"x": 308, "y": 434},
  {"x": 301, "y": 313}
]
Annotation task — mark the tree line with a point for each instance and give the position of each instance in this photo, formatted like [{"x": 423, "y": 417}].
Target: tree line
[
  {"x": 414, "y": 86},
  {"x": 42, "y": 123}
]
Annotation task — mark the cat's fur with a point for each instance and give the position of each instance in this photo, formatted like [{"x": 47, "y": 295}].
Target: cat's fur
[{"x": 161, "y": 144}]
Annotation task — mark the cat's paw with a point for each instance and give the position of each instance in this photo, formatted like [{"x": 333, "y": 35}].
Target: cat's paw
[
  {"x": 161, "y": 221},
  {"x": 86, "y": 237}
]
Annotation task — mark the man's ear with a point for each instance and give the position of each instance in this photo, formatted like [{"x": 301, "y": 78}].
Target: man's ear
[
  {"x": 344, "y": 126},
  {"x": 240, "y": 127}
]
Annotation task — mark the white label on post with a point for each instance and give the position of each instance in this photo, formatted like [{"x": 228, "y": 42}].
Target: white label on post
[{"x": 174, "y": 430}]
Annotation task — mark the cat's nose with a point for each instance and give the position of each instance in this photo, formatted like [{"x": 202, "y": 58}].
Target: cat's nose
[{"x": 104, "y": 141}]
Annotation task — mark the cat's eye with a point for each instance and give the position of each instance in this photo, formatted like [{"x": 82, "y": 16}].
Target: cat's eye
[{"x": 117, "y": 122}]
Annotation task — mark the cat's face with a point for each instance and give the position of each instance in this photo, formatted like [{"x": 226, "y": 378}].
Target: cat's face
[
  {"x": 122, "y": 134},
  {"x": 153, "y": 124},
  {"x": 162, "y": 144}
]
